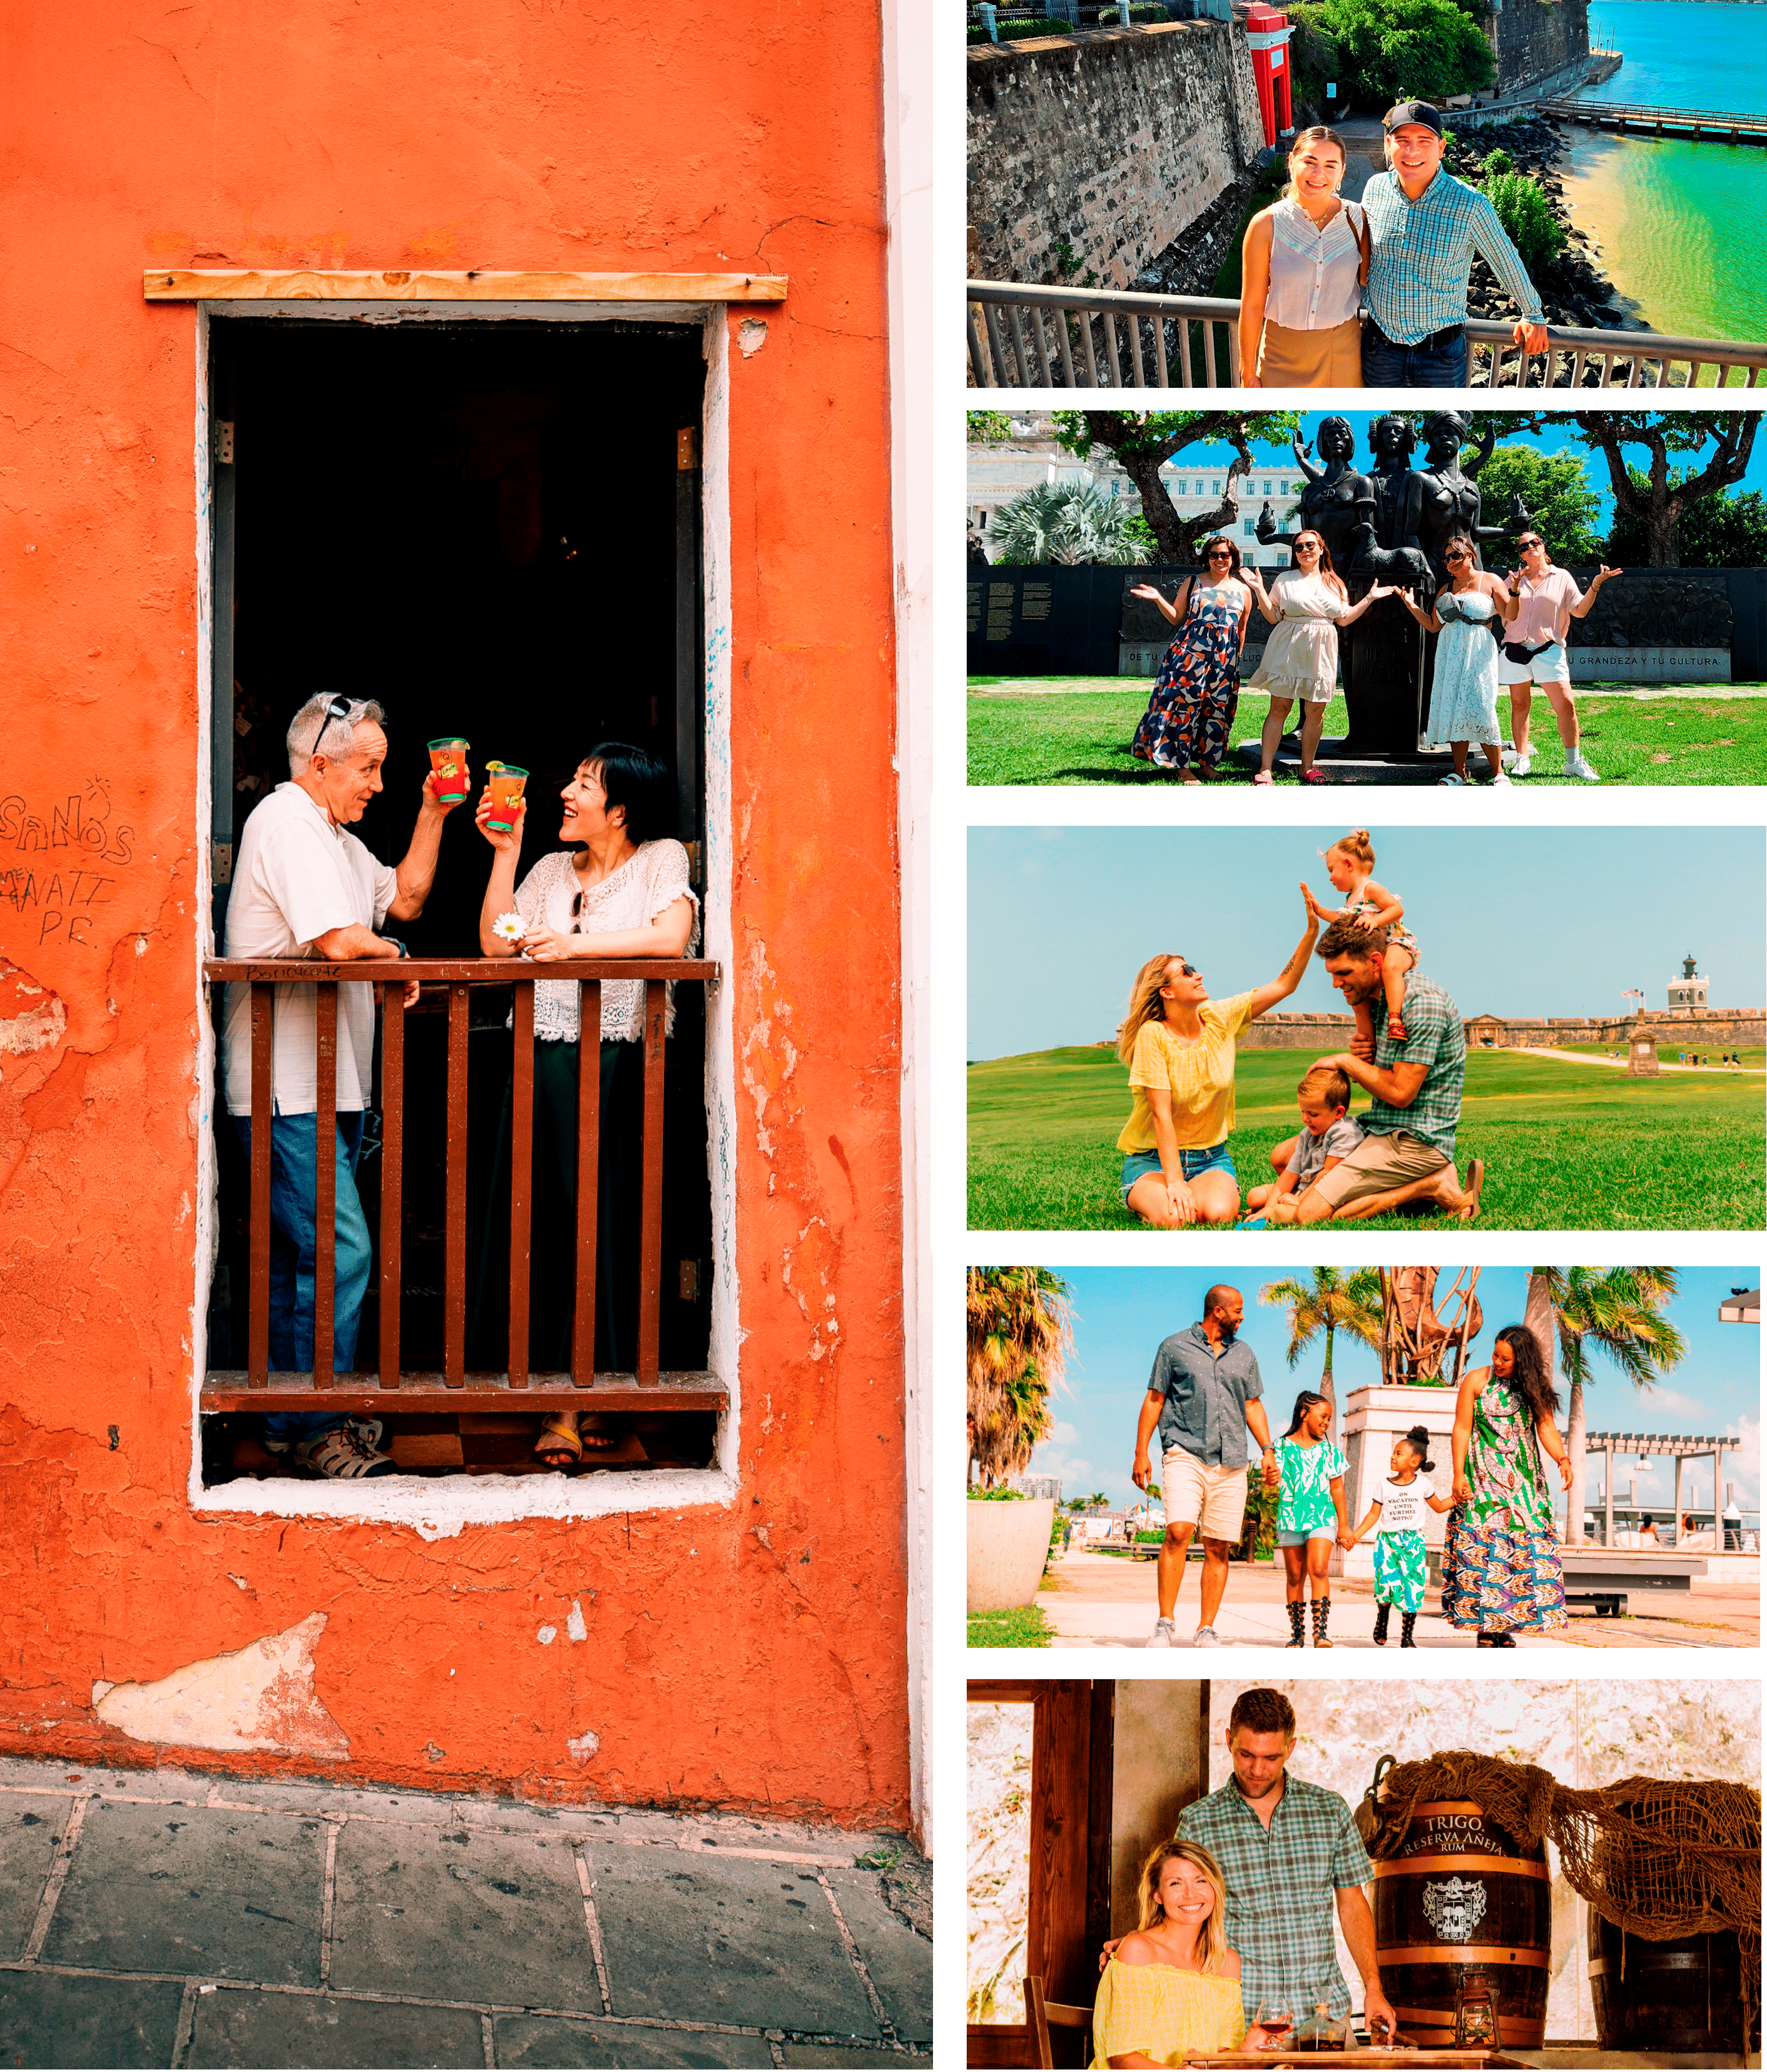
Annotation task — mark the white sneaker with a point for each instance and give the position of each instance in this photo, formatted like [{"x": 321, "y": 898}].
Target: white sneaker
[
  {"x": 1206, "y": 1637},
  {"x": 1498, "y": 777},
  {"x": 1575, "y": 767},
  {"x": 1165, "y": 1635},
  {"x": 1521, "y": 765}
]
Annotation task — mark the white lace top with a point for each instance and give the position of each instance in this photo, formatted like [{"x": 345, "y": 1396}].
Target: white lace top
[{"x": 645, "y": 886}]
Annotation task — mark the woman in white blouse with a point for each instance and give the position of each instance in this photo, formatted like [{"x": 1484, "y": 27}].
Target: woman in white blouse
[
  {"x": 623, "y": 893},
  {"x": 1306, "y": 604},
  {"x": 1302, "y": 269}
]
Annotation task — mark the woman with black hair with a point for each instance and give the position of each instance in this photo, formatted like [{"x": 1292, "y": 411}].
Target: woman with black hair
[
  {"x": 1500, "y": 1571},
  {"x": 623, "y": 893},
  {"x": 1196, "y": 693},
  {"x": 1311, "y": 1519}
]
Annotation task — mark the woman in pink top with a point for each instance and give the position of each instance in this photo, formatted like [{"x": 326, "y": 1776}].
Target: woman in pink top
[{"x": 1534, "y": 650}]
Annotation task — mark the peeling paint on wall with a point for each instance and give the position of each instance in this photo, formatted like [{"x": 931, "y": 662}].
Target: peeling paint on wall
[{"x": 263, "y": 1697}]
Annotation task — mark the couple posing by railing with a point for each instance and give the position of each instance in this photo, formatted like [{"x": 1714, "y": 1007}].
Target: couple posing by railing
[{"x": 304, "y": 887}]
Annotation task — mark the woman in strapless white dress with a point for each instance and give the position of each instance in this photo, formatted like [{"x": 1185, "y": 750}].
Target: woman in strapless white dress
[{"x": 1463, "y": 687}]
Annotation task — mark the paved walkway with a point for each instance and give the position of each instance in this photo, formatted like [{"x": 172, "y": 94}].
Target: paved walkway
[
  {"x": 163, "y": 1919},
  {"x": 1104, "y": 1601},
  {"x": 1621, "y": 1064}
]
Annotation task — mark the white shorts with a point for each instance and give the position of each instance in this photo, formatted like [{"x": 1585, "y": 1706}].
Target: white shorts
[
  {"x": 1548, "y": 667},
  {"x": 1195, "y": 1494}
]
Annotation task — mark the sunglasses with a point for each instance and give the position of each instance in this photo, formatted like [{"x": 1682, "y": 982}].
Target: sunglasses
[
  {"x": 338, "y": 708},
  {"x": 1219, "y": 554},
  {"x": 1531, "y": 543},
  {"x": 1187, "y": 971}
]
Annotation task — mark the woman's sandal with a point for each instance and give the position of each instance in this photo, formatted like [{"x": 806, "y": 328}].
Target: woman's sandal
[
  {"x": 1496, "y": 1640},
  {"x": 558, "y": 1436},
  {"x": 1315, "y": 775},
  {"x": 1263, "y": 778}
]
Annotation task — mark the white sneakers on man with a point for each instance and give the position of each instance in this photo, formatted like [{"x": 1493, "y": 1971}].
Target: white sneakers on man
[
  {"x": 1206, "y": 1637},
  {"x": 1575, "y": 767},
  {"x": 1521, "y": 765},
  {"x": 1165, "y": 1635}
]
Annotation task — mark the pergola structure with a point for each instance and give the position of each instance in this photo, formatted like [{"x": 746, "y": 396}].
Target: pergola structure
[
  {"x": 1741, "y": 1306},
  {"x": 1682, "y": 1446}
]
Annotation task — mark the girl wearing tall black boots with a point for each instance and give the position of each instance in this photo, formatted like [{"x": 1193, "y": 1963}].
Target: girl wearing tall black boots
[
  {"x": 1311, "y": 1517},
  {"x": 1401, "y": 1562}
]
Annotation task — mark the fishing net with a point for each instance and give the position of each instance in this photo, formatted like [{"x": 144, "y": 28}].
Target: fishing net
[{"x": 1660, "y": 1859}]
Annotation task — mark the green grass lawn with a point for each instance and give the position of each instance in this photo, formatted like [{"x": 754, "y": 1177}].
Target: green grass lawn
[
  {"x": 1565, "y": 1147},
  {"x": 1024, "y": 1628},
  {"x": 1083, "y": 737}
]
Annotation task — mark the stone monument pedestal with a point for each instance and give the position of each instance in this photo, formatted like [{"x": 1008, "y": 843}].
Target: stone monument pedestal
[{"x": 1641, "y": 1058}]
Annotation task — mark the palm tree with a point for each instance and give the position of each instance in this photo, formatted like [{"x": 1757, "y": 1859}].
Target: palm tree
[
  {"x": 1020, "y": 1333},
  {"x": 1070, "y": 523},
  {"x": 1615, "y": 1311},
  {"x": 1332, "y": 1301}
]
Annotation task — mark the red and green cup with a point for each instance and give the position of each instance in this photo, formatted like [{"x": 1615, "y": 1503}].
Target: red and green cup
[{"x": 448, "y": 761}]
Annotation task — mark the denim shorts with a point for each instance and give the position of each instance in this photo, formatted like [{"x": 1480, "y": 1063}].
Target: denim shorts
[
  {"x": 1217, "y": 1158},
  {"x": 1300, "y": 1538}
]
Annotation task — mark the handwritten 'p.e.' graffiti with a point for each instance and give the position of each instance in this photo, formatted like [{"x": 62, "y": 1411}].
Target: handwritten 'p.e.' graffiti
[{"x": 73, "y": 838}]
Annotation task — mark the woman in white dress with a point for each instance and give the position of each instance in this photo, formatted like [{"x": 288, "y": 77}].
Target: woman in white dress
[
  {"x": 1302, "y": 268},
  {"x": 623, "y": 893},
  {"x": 1306, "y": 604},
  {"x": 1463, "y": 687}
]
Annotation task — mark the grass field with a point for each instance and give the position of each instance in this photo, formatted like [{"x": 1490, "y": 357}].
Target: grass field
[
  {"x": 1565, "y": 1147},
  {"x": 1024, "y": 1628},
  {"x": 1083, "y": 737}
]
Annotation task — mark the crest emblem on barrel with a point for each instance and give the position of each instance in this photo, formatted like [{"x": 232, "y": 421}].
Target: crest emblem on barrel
[{"x": 1455, "y": 1909}]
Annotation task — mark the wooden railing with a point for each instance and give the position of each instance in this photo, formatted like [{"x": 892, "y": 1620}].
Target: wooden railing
[
  {"x": 1020, "y": 336},
  {"x": 1627, "y": 115},
  {"x": 390, "y": 1388}
]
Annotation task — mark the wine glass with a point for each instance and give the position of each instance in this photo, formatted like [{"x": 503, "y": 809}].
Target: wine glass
[{"x": 1276, "y": 2016}]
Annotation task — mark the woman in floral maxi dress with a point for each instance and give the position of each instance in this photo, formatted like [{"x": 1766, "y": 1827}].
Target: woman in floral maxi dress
[
  {"x": 1196, "y": 693},
  {"x": 1500, "y": 1570}
]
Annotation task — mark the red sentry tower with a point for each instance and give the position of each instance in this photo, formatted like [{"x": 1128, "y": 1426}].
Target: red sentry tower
[{"x": 1268, "y": 32}]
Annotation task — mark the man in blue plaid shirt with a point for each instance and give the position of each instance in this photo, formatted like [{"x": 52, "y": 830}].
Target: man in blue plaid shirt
[
  {"x": 1292, "y": 1861},
  {"x": 1424, "y": 226}
]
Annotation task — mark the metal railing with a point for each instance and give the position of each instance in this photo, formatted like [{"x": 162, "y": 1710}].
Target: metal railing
[
  {"x": 1020, "y": 336},
  {"x": 454, "y": 1387},
  {"x": 1625, "y": 115}
]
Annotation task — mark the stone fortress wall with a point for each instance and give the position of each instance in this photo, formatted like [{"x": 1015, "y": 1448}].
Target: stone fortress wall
[
  {"x": 1716, "y": 1028},
  {"x": 1532, "y": 40},
  {"x": 1111, "y": 144}
]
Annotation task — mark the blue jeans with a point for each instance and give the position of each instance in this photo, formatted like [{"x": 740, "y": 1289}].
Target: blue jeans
[
  {"x": 1388, "y": 365},
  {"x": 294, "y": 1235},
  {"x": 1215, "y": 1158}
]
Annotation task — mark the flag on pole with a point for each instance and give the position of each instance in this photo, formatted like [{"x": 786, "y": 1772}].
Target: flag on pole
[{"x": 1628, "y": 994}]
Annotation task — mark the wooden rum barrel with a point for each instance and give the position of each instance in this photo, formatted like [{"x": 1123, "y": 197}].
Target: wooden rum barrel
[
  {"x": 1684, "y": 1997},
  {"x": 1460, "y": 1894}
]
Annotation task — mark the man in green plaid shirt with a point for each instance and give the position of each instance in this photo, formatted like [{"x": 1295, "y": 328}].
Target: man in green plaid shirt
[
  {"x": 1407, "y": 1153},
  {"x": 1293, "y": 1861}
]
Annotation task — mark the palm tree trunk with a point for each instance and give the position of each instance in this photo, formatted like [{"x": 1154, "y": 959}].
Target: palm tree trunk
[
  {"x": 1325, "y": 1387},
  {"x": 1538, "y": 1319}
]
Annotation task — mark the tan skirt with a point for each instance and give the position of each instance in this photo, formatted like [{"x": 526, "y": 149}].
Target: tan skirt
[{"x": 1311, "y": 359}]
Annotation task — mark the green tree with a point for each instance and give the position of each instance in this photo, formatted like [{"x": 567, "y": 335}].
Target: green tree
[
  {"x": 1526, "y": 214},
  {"x": 1555, "y": 489},
  {"x": 990, "y": 428},
  {"x": 1651, "y": 502},
  {"x": 1142, "y": 441},
  {"x": 1398, "y": 49},
  {"x": 1020, "y": 1329},
  {"x": 1072, "y": 523},
  {"x": 1614, "y": 1313},
  {"x": 1333, "y": 1300},
  {"x": 1720, "y": 532}
]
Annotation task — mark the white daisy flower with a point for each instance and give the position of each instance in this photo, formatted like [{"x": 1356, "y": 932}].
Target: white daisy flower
[{"x": 511, "y": 927}]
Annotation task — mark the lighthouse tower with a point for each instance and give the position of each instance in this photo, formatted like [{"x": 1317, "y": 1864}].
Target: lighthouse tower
[
  {"x": 1267, "y": 31},
  {"x": 1689, "y": 990}
]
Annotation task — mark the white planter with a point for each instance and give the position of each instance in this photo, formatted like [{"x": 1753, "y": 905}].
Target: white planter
[
  {"x": 1008, "y": 1545},
  {"x": 1373, "y": 1418}
]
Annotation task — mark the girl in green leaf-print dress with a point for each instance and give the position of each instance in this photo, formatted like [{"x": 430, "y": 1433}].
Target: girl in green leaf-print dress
[
  {"x": 1500, "y": 1571},
  {"x": 1311, "y": 1519}
]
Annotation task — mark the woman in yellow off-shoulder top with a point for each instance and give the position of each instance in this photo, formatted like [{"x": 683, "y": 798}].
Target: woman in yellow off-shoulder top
[{"x": 1173, "y": 1986}]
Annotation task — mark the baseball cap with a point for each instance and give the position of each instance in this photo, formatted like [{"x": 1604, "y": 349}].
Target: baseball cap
[{"x": 1412, "y": 111}]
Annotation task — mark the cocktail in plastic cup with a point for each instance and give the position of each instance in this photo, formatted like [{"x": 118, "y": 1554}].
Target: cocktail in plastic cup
[
  {"x": 448, "y": 760},
  {"x": 507, "y": 783}
]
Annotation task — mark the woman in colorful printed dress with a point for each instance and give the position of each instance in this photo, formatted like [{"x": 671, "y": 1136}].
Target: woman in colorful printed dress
[
  {"x": 1401, "y": 1558},
  {"x": 1197, "y": 692},
  {"x": 1172, "y": 1987},
  {"x": 1311, "y": 1519},
  {"x": 1500, "y": 1571}
]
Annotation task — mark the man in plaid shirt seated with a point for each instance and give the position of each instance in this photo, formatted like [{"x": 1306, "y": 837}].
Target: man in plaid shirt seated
[
  {"x": 1407, "y": 1153},
  {"x": 1424, "y": 226}
]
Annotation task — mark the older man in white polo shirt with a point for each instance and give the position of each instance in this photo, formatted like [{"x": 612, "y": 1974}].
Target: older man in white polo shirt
[{"x": 303, "y": 886}]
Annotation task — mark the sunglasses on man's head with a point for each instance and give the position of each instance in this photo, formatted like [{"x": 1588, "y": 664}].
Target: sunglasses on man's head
[{"x": 338, "y": 708}]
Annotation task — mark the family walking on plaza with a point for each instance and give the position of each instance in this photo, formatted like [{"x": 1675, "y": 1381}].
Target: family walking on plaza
[
  {"x": 1235, "y": 1944},
  {"x": 304, "y": 887},
  {"x": 1339, "y": 295},
  {"x": 1409, "y": 1052},
  {"x": 1501, "y": 1571}
]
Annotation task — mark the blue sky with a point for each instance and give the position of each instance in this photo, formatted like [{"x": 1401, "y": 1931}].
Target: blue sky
[
  {"x": 1121, "y": 1314},
  {"x": 1511, "y": 921},
  {"x": 1558, "y": 437}
]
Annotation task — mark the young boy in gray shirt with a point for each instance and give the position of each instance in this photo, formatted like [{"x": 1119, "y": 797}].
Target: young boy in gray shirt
[{"x": 1327, "y": 1134}]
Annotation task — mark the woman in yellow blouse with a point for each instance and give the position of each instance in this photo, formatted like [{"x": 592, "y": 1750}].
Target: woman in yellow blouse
[
  {"x": 1178, "y": 1045},
  {"x": 1173, "y": 1986}
]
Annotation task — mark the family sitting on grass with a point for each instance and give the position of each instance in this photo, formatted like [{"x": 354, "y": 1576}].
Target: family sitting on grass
[{"x": 1180, "y": 1047}]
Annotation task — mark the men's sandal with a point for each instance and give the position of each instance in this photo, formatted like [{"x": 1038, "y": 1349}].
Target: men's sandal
[{"x": 345, "y": 1451}]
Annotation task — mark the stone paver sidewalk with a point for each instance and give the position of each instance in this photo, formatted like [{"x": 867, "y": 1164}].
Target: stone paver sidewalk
[{"x": 160, "y": 1918}]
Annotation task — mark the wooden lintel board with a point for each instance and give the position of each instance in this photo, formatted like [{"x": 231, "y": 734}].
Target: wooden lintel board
[
  {"x": 203, "y": 283},
  {"x": 1439, "y": 2061}
]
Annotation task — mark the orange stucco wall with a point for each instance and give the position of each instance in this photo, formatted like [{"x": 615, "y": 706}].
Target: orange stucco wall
[{"x": 754, "y": 1668}]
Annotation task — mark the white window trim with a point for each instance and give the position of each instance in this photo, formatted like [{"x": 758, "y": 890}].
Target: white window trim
[{"x": 437, "y": 1508}]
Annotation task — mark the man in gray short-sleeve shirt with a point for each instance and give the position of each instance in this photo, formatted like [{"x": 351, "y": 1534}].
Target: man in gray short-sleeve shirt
[{"x": 1202, "y": 1395}]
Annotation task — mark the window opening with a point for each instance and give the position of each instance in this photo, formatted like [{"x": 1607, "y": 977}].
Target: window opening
[{"x": 494, "y": 530}]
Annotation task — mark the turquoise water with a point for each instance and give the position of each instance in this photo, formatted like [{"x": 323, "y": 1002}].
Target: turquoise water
[{"x": 1682, "y": 227}]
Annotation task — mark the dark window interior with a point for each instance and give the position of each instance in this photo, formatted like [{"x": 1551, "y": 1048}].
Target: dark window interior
[{"x": 488, "y": 527}]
